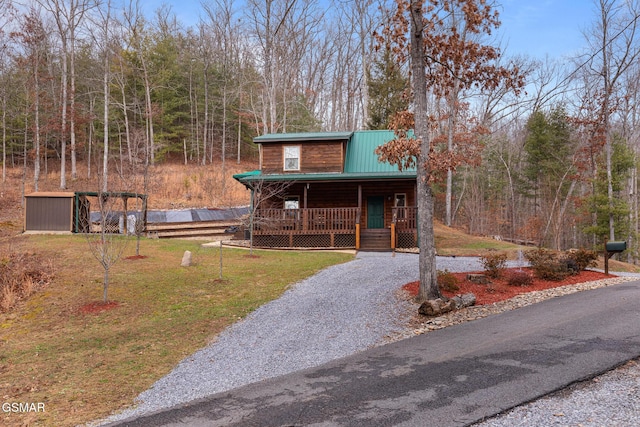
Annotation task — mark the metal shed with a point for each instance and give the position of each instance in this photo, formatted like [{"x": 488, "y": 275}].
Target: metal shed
[{"x": 49, "y": 211}]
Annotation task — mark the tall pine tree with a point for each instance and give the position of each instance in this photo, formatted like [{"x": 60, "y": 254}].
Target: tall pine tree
[{"x": 387, "y": 86}]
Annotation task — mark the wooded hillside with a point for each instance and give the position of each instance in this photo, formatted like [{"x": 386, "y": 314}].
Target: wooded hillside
[{"x": 99, "y": 90}]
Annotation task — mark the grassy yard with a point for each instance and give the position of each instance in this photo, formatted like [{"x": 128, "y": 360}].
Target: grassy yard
[
  {"x": 450, "y": 241},
  {"x": 83, "y": 366}
]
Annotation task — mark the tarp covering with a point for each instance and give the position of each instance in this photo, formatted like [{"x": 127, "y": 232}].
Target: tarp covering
[{"x": 185, "y": 215}]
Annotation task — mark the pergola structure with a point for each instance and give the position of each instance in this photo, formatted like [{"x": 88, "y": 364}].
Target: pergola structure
[{"x": 83, "y": 208}]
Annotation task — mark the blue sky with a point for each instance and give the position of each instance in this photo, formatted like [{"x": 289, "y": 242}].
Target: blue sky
[
  {"x": 545, "y": 27},
  {"x": 533, "y": 27}
]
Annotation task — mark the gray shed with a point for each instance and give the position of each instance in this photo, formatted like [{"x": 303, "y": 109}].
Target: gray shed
[{"x": 49, "y": 211}]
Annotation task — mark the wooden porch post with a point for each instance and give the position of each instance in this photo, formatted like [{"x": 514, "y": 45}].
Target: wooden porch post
[
  {"x": 305, "y": 213},
  {"x": 359, "y": 214},
  {"x": 393, "y": 236}
]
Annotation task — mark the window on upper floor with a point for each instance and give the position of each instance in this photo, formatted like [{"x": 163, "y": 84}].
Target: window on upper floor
[{"x": 291, "y": 157}]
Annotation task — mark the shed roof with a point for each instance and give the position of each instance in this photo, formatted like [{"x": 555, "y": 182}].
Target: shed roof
[{"x": 51, "y": 194}]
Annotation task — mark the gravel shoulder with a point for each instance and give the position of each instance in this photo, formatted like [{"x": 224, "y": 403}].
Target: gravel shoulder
[{"x": 340, "y": 311}]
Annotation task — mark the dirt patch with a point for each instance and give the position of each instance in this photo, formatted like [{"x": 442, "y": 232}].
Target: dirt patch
[
  {"x": 499, "y": 290},
  {"x": 98, "y": 307},
  {"x": 135, "y": 257}
]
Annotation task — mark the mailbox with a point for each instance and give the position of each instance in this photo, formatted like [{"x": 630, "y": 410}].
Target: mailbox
[
  {"x": 616, "y": 246},
  {"x": 612, "y": 248}
]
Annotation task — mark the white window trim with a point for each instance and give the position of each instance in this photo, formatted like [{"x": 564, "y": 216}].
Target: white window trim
[{"x": 284, "y": 157}]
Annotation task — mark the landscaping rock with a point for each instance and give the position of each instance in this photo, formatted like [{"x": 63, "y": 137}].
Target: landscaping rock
[
  {"x": 478, "y": 278},
  {"x": 186, "y": 259},
  {"x": 422, "y": 325}
]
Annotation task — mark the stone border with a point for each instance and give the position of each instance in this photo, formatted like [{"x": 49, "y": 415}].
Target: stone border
[{"x": 418, "y": 325}]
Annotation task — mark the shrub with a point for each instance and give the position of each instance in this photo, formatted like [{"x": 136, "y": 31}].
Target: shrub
[
  {"x": 570, "y": 264},
  {"x": 583, "y": 258},
  {"x": 546, "y": 265},
  {"x": 519, "y": 278},
  {"x": 494, "y": 264},
  {"x": 21, "y": 273},
  {"x": 447, "y": 281}
]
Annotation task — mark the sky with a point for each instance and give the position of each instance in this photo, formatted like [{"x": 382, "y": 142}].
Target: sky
[
  {"x": 537, "y": 28},
  {"x": 545, "y": 27}
]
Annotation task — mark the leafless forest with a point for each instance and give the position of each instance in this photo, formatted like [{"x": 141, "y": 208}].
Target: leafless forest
[{"x": 99, "y": 89}]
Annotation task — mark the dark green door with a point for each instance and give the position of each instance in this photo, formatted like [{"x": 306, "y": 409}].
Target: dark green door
[{"x": 375, "y": 212}]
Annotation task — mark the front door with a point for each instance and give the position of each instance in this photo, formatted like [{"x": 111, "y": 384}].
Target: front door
[{"x": 375, "y": 212}]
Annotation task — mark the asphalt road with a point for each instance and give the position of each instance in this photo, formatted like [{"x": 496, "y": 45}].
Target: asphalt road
[{"x": 450, "y": 377}]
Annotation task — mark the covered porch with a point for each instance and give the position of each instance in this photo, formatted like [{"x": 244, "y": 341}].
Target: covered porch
[{"x": 377, "y": 215}]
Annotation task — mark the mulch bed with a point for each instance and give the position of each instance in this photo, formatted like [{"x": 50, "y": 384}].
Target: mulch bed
[
  {"x": 98, "y": 307},
  {"x": 499, "y": 290},
  {"x": 135, "y": 257}
]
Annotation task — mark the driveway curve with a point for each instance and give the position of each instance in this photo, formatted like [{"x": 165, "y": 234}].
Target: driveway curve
[{"x": 342, "y": 310}]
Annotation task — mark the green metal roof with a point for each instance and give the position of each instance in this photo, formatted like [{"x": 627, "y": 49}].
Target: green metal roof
[
  {"x": 361, "y": 156},
  {"x": 301, "y": 137},
  {"x": 244, "y": 175}
]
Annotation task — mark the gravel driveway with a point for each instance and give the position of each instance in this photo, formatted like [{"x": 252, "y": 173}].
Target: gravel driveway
[{"x": 342, "y": 310}]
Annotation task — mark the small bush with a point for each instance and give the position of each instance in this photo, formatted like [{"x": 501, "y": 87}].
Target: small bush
[
  {"x": 582, "y": 258},
  {"x": 494, "y": 264},
  {"x": 546, "y": 265},
  {"x": 519, "y": 278},
  {"x": 447, "y": 281},
  {"x": 540, "y": 256},
  {"x": 570, "y": 264}
]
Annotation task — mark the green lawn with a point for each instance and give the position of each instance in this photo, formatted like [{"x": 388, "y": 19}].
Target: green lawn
[{"x": 85, "y": 366}]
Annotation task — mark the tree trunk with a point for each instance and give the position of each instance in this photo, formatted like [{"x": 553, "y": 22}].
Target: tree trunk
[
  {"x": 36, "y": 142},
  {"x": 105, "y": 158},
  {"x": 63, "y": 125},
  {"x": 428, "y": 278}
]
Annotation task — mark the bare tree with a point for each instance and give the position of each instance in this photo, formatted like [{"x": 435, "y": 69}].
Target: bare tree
[
  {"x": 263, "y": 195},
  {"x": 6, "y": 9},
  {"x": 105, "y": 243},
  {"x": 135, "y": 25},
  {"x": 68, "y": 15},
  {"x": 33, "y": 37}
]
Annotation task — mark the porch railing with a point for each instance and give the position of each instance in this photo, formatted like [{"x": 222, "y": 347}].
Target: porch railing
[
  {"x": 405, "y": 218},
  {"x": 306, "y": 221}
]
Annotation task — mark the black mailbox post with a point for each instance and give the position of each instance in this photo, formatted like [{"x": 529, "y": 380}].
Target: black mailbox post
[{"x": 610, "y": 249}]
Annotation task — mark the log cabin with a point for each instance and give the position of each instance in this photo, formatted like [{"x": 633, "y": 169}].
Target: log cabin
[{"x": 329, "y": 190}]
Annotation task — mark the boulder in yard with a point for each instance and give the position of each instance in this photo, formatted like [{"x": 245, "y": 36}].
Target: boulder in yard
[{"x": 186, "y": 259}]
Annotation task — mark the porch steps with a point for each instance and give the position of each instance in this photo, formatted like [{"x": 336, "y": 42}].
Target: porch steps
[{"x": 376, "y": 239}]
